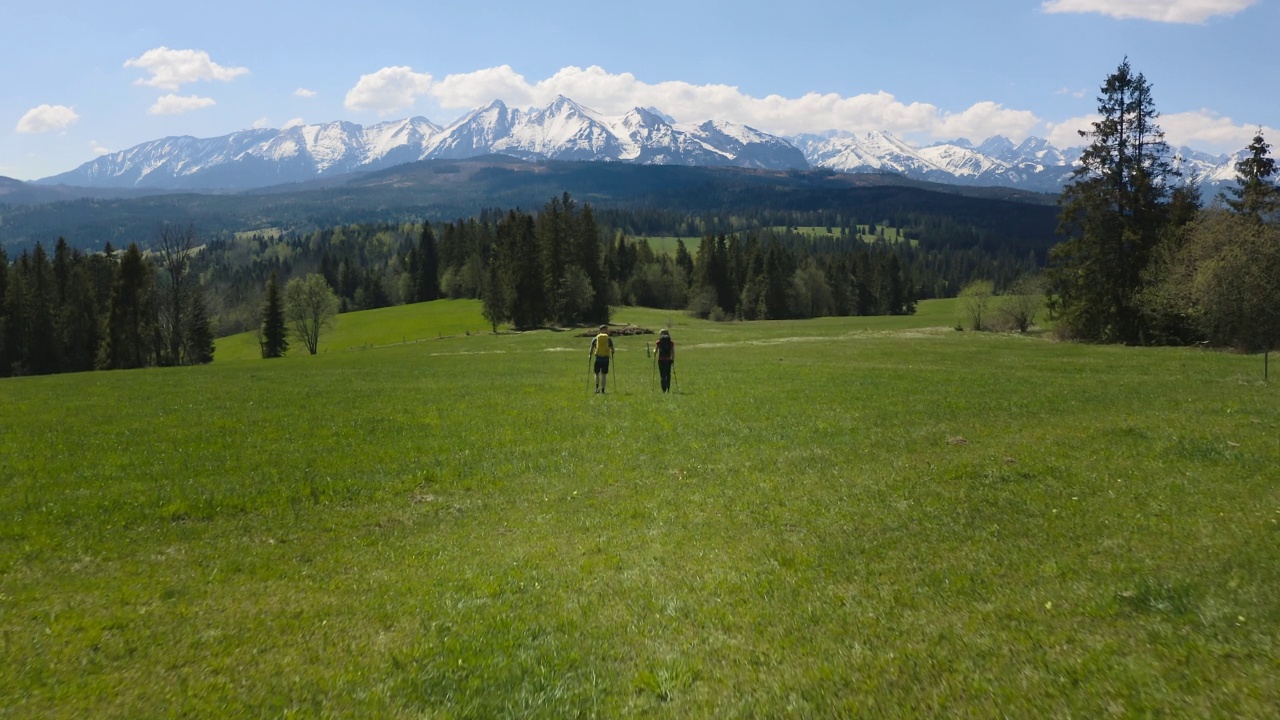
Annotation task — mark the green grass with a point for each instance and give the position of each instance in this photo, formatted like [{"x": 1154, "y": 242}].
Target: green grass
[
  {"x": 666, "y": 245},
  {"x": 372, "y": 328},
  {"x": 831, "y": 518},
  {"x": 865, "y": 233}
]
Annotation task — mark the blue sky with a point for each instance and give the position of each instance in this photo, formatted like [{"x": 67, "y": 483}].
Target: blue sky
[{"x": 85, "y": 78}]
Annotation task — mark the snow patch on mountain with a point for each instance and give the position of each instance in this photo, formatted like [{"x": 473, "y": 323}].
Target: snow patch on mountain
[{"x": 566, "y": 130}]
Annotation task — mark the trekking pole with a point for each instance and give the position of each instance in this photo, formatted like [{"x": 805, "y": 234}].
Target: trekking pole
[
  {"x": 589, "y": 373},
  {"x": 653, "y": 366},
  {"x": 674, "y": 377}
]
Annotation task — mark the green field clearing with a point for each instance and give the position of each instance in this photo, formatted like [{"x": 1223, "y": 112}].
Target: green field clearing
[
  {"x": 667, "y": 245},
  {"x": 841, "y": 517},
  {"x": 866, "y": 233}
]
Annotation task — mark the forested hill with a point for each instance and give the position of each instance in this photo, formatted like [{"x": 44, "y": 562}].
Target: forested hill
[{"x": 447, "y": 190}]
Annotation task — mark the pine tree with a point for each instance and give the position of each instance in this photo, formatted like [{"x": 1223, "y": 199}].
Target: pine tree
[
  {"x": 131, "y": 319},
  {"x": 80, "y": 318},
  {"x": 198, "y": 335},
  {"x": 1113, "y": 213},
  {"x": 1254, "y": 194},
  {"x": 426, "y": 267},
  {"x": 684, "y": 260},
  {"x": 39, "y": 346},
  {"x": 494, "y": 300},
  {"x": 587, "y": 252},
  {"x": 4, "y": 311},
  {"x": 275, "y": 334}
]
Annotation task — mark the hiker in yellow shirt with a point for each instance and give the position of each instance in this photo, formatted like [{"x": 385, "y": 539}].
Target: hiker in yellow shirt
[{"x": 602, "y": 349}]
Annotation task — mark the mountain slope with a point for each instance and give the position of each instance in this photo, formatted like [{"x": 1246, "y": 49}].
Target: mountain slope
[
  {"x": 449, "y": 189},
  {"x": 566, "y": 130}
]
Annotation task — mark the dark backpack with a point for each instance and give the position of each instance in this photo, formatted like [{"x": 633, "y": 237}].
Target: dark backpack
[{"x": 665, "y": 347}]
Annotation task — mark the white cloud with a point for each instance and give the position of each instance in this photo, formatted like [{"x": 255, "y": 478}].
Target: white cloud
[
  {"x": 261, "y": 123},
  {"x": 388, "y": 90},
  {"x": 96, "y": 148},
  {"x": 305, "y": 93},
  {"x": 475, "y": 89},
  {"x": 1201, "y": 129},
  {"x": 293, "y": 123},
  {"x": 175, "y": 104},
  {"x": 615, "y": 94},
  {"x": 1170, "y": 11},
  {"x": 46, "y": 118},
  {"x": 171, "y": 69},
  {"x": 1206, "y": 130},
  {"x": 985, "y": 119},
  {"x": 396, "y": 88},
  {"x": 1067, "y": 133}
]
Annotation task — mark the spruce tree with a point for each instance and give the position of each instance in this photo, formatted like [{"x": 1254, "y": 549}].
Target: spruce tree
[
  {"x": 426, "y": 267},
  {"x": 1254, "y": 194},
  {"x": 39, "y": 346},
  {"x": 131, "y": 319},
  {"x": 275, "y": 334},
  {"x": 587, "y": 256},
  {"x": 1113, "y": 213},
  {"x": 198, "y": 335}
]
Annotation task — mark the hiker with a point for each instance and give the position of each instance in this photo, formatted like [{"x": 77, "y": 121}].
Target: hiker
[
  {"x": 602, "y": 349},
  {"x": 665, "y": 348}
]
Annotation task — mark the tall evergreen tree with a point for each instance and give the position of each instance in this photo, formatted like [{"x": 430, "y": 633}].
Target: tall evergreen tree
[
  {"x": 198, "y": 336},
  {"x": 4, "y": 311},
  {"x": 275, "y": 333},
  {"x": 684, "y": 259},
  {"x": 1113, "y": 212},
  {"x": 1255, "y": 195},
  {"x": 39, "y": 345},
  {"x": 80, "y": 318},
  {"x": 131, "y": 321},
  {"x": 426, "y": 266},
  {"x": 587, "y": 255},
  {"x": 523, "y": 289},
  {"x": 493, "y": 294}
]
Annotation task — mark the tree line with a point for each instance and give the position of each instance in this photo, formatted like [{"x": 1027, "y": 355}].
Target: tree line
[
  {"x": 1144, "y": 260},
  {"x": 79, "y": 311}
]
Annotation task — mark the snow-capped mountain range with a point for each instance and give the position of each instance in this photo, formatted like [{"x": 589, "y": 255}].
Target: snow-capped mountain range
[{"x": 565, "y": 130}]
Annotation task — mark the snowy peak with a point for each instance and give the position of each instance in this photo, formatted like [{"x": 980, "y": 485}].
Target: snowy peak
[
  {"x": 566, "y": 130},
  {"x": 562, "y": 130}
]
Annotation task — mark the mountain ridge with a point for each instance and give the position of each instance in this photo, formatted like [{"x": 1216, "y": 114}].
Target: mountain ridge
[{"x": 566, "y": 130}]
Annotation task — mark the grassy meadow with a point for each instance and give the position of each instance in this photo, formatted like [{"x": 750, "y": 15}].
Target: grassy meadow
[
  {"x": 866, "y": 233},
  {"x": 839, "y": 517}
]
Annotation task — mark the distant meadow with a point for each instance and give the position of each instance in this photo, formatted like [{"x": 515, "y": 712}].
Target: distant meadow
[{"x": 839, "y": 517}]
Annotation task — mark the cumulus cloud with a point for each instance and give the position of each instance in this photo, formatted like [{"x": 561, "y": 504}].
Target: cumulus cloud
[
  {"x": 396, "y": 88},
  {"x": 304, "y": 93},
  {"x": 1205, "y": 129},
  {"x": 293, "y": 123},
  {"x": 1170, "y": 11},
  {"x": 46, "y": 118},
  {"x": 1200, "y": 129},
  {"x": 388, "y": 90},
  {"x": 171, "y": 69},
  {"x": 97, "y": 149},
  {"x": 615, "y": 94},
  {"x": 985, "y": 119},
  {"x": 1066, "y": 134},
  {"x": 177, "y": 104}
]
